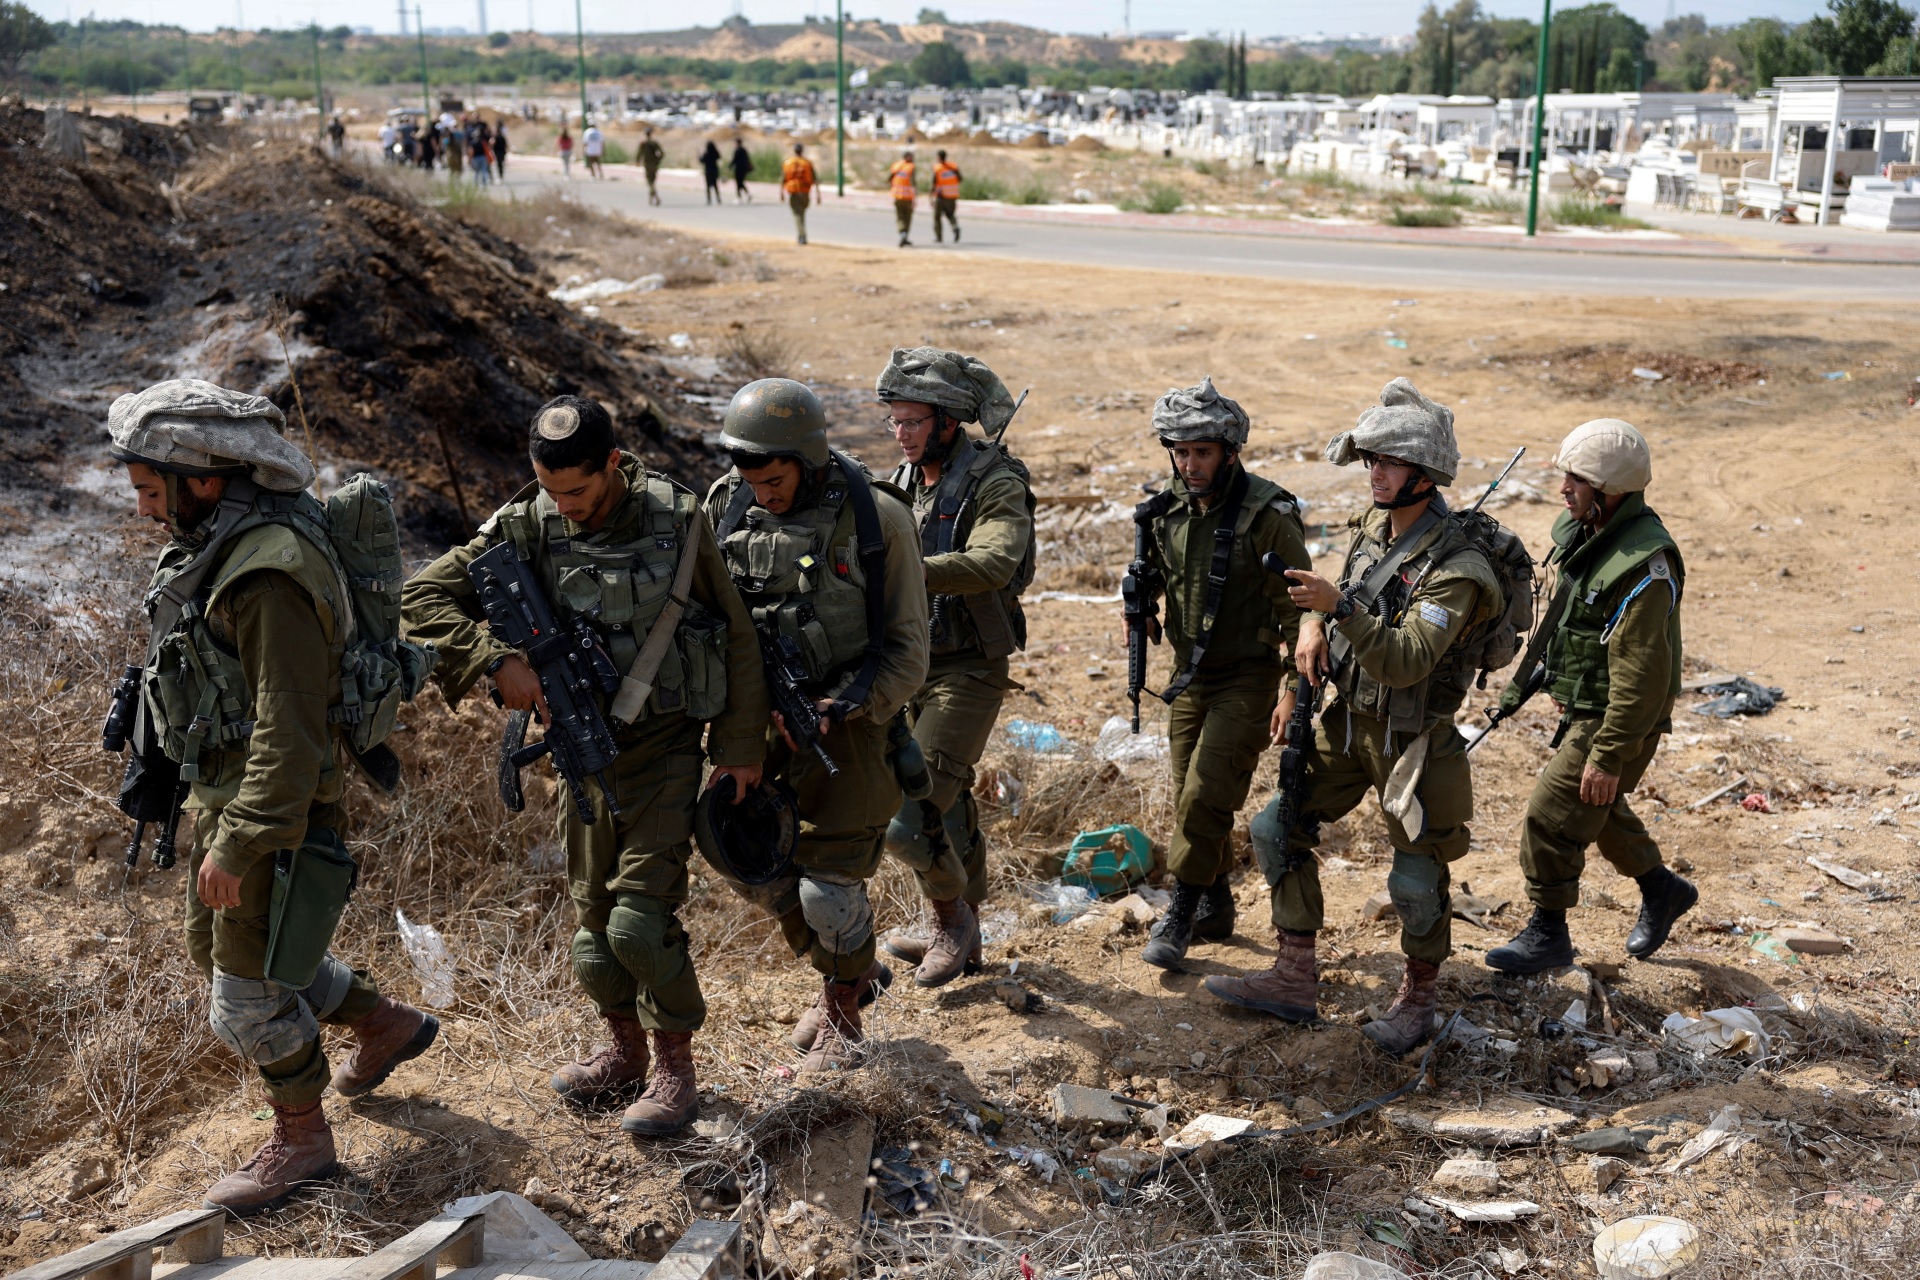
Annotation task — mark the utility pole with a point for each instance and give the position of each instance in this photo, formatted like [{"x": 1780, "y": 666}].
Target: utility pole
[
  {"x": 426, "y": 95},
  {"x": 1539, "y": 120},
  {"x": 483, "y": 16},
  {"x": 319, "y": 92},
  {"x": 840, "y": 96},
  {"x": 403, "y": 16},
  {"x": 580, "y": 60}
]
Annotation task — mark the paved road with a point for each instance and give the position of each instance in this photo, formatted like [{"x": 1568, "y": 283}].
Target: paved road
[{"x": 1341, "y": 262}]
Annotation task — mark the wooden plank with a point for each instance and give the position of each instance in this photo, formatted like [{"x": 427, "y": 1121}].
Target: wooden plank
[
  {"x": 415, "y": 1254},
  {"x": 204, "y": 1243},
  {"x": 135, "y": 1243},
  {"x": 709, "y": 1249},
  {"x": 247, "y": 1267}
]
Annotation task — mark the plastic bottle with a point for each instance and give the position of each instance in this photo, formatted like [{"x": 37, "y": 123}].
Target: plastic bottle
[{"x": 431, "y": 961}]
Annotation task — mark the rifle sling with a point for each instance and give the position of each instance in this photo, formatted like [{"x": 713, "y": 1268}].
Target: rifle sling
[
  {"x": 637, "y": 685},
  {"x": 1338, "y": 646},
  {"x": 1216, "y": 596}
]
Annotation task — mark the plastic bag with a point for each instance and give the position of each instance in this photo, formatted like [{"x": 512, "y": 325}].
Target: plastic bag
[
  {"x": 1108, "y": 859},
  {"x": 1119, "y": 743},
  {"x": 1039, "y": 737},
  {"x": 1067, "y": 900},
  {"x": 431, "y": 961}
]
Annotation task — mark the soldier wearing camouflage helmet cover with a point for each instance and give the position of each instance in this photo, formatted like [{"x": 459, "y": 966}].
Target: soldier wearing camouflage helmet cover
[
  {"x": 973, "y": 501},
  {"x": 827, "y": 559},
  {"x": 243, "y": 689},
  {"x": 1232, "y": 630},
  {"x": 1612, "y": 667},
  {"x": 629, "y": 550},
  {"x": 1393, "y": 633}
]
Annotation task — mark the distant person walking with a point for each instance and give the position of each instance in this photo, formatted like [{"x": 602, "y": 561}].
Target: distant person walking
[
  {"x": 900, "y": 182},
  {"x": 798, "y": 181},
  {"x": 742, "y": 165},
  {"x": 387, "y": 134},
  {"x": 337, "y": 135},
  {"x": 454, "y": 146},
  {"x": 428, "y": 150},
  {"x": 480, "y": 154},
  {"x": 651, "y": 155},
  {"x": 565, "y": 145},
  {"x": 500, "y": 161},
  {"x": 946, "y": 195},
  {"x": 710, "y": 169},
  {"x": 594, "y": 143}
]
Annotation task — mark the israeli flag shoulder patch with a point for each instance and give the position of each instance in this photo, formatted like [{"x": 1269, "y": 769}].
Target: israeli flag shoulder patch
[{"x": 1434, "y": 613}]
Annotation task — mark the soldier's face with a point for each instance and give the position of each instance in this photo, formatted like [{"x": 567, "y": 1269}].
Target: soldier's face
[
  {"x": 1583, "y": 500},
  {"x": 912, "y": 426},
  {"x": 1199, "y": 463},
  {"x": 776, "y": 485},
  {"x": 197, "y": 495},
  {"x": 583, "y": 496},
  {"x": 1388, "y": 477}
]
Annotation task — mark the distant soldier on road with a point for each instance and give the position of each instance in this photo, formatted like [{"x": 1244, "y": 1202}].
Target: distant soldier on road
[
  {"x": 900, "y": 184},
  {"x": 1612, "y": 668},
  {"x": 798, "y": 181},
  {"x": 651, "y": 156},
  {"x": 946, "y": 196}
]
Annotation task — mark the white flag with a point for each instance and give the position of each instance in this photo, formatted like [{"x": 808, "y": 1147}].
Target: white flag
[{"x": 858, "y": 78}]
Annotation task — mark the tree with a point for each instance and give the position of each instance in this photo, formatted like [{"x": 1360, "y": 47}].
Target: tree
[
  {"x": 22, "y": 32},
  {"x": 1860, "y": 34},
  {"x": 927, "y": 17},
  {"x": 940, "y": 63},
  {"x": 1773, "y": 49}
]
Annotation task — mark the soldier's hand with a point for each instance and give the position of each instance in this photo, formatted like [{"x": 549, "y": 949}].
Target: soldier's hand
[
  {"x": 218, "y": 889},
  {"x": 1310, "y": 651},
  {"x": 1597, "y": 787},
  {"x": 520, "y": 688},
  {"x": 745, "y": 778},
  {"x": 1277, "y": 728},
  {"x": 1311, "y": 591}
]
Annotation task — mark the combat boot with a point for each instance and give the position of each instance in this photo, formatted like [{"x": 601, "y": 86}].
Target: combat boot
[
  {"x": 1664, "y": 898},
  {"x": 1173, "y": 931},
  {"x": 672, "y": 1100},
  {"x": 1409, "y": 1019},
  {"x": 913, "y": 949},
  {"x": 297, "y": 1153},
  {"x": 1213, "y": 919},
  {"x": 1290, "y": 990},
  {"x": 611, "y": 1069},
  {"x": 870, "y": 984},
  {"x": 392, "y": 1034},
  {"x": 837, "y": 1047},
  {"x": 1541, "y": 946},
  {"x": 956, "y": 939}
]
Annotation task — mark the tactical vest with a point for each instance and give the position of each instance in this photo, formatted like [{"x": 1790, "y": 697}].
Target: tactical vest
[
  {"x": 990, "y": 621},
  {"x": 1195, "y": 603},
  {"x": 1412, "y": 709},
  {"x": 197, "y": 693},
  {"x": 620, "y": 588},
  {"x": 801, "y": 574},
  {"x": 1605, "y": 574}
]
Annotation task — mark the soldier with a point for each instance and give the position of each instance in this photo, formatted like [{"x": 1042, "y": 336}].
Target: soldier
[
  {"x": 974, "y": 505},
  {"x": 1413, "y": 591},
  {"x": 612, "y": 540},
  {"x": 243, "y": 688},
  {"x": 650, "y": 156},
  {"x": 900, "y": 186},
  {"x": 1227, "y": 619},
  {"x": 829, "y": 559},
  {"x": 1612, "y": 656}
]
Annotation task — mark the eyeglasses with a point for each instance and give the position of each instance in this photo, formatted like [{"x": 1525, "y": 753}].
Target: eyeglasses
[
  {"x": 905, "y": 424},
  {"x": 1382, "y": 460}
]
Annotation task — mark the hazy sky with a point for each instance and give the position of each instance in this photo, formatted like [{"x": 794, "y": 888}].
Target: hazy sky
[{"x": 1259, "y": 17}]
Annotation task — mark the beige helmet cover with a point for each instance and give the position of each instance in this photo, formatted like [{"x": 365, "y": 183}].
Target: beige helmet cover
[
  {"x": 1608, "y": 454},
  {"x": 1404, "y": 425},
  {"x": 195, "y": 427}
]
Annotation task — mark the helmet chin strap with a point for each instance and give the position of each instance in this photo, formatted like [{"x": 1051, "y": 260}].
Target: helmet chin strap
[
  {"x": 937, "y": 450},
  {"x": 1406, "y": 497}
]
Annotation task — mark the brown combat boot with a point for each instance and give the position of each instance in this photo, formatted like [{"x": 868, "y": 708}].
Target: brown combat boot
[
  {"x": 1409, "y": 1020},
  {"x": 876, "y": 979},
  {"x": 672, "y": 1100},
  {"x": 956, "y": 939},
  {"x": 1290, "y": 990},
  {"x": 298, "y": 1152},
  {"x": 392, "y": 1034},
  {"x": 913, "y": 949},
  {"x": 837, "y": 1047},
  {"x": 611, "y": 1070}
]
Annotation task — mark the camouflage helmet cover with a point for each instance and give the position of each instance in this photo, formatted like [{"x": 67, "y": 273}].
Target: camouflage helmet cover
[
  {"x": 1404, "y": 425},
  {"x": 961, "y": 385},
  {"x": 1199, "y": 413}
]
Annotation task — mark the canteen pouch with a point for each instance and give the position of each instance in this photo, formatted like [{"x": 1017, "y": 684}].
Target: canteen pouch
[{"x": 311, "y": 886}]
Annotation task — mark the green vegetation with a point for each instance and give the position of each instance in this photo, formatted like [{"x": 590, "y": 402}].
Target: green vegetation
[
  {"x": 1033, "y": 191},
  {"x": 981, "y": 186},
  {"x": 1402, "y": 215},
  {"x": 1155, "y": 197},
  {"x": 767, "y": 163},
  {"x": 1574, "y": 211},
  {"x": 22, "y": 32},
  {"x": 1444, "y": 196},
  {"x": 616, "y": 153}
]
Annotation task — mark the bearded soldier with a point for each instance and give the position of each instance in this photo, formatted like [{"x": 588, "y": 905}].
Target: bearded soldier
[
  {"x": 1228, "y": 620},
  {"x": 243, "y": 689},
  {"x": 1392, "y": 637},
  {"x": 629, "y": 551},
  {"x": 1612, "y": 667},
  {"x": 974, "y": 504},
  {"x": 828, "y": 562}
]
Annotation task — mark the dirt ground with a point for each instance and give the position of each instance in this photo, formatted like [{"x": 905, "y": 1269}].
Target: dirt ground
[{"x": 1784, "y": 486}]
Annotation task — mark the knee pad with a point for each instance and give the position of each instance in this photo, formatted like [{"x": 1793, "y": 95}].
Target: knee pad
[
  {"x": 261, "y": 1021},
  {"x": 907, "y": 836},
  {"x": 600, "y": 973},
  {"x": 960, "y": 821},
  {"x": 1414, "y": 887},
  {"x": 1270, "y": 842},
  {"x": 643, "y": 933},
  {"x": 329, "y": 987},
  {"x": 837, "y": 910}
]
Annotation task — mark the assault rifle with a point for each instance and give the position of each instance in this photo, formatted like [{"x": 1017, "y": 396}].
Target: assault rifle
[
  {"x": 1139, "y": 605},
  {"x": 572, "y": 667},
  {"x": 151, "y": 790},
  {"x": 1291, "y": 790},
  {"x": 787, "y": 687}
]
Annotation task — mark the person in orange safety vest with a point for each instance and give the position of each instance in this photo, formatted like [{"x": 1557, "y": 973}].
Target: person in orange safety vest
[
  {"x": 946, "y": 195},
  {"x": 798, "y": 181},
  {"x": 900, "y": 181}
]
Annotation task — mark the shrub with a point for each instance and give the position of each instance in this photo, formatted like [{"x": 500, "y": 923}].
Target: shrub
[
  {"x": 767, "y": 162},
  {"x": 1572, "y": 211},
  {"x": 616, "y": 153},
  {"x": 1155, "y": 197},
  {"x": 1445, "y": 215},
  {"x": 1448, "y": 196},
  {"x": 980, "y": 186},
  {"x": 1034, "y": 191}
]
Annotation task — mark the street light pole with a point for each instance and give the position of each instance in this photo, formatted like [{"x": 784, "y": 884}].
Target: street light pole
[
  {"x": 426, "y": 94},
  {"x": 580, "y": 60},
  {"x": 1539, "y": 119},
  {"x": 840, "y": 96},
  {"x": 319, "y": 92}
]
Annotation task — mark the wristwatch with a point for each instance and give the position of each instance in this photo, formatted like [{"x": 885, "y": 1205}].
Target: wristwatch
[
  {"x": 493, "y": 667},
  {"x": 1343, "y": 610}
]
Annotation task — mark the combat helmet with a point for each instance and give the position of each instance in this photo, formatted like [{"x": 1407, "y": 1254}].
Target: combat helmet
[
  {"x": 1199, "y": 413},
  {"x": 1609, "y": 454},
  {"x": 753, "y": 841},
  {"x": 776, "y": 418},
  {"x": 1404, "y": 425}
]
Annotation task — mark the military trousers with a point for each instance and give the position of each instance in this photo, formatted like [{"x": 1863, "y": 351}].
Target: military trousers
[
  {"x": 946, "y": 210},
  {"x": 903, "y": 217},
  {"x": 1349, "y": 759},
  {"x": 843, "y": 825},
  {"x": 952, "y": 717},
  {"x": 1560, "y": 825},
  {"x": 1217, "y": 728},
  {"x": 798, "y": 202},
  {"x": 627, "y": 877},
  {"x": 274, "y": 1026}
]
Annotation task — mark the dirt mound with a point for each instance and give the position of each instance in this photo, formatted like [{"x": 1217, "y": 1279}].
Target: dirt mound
[
  {"x": 981, "y": 138},
  {"x": 1086, "y": 142},
  {"x": 1034, "y": 142},
  {"x": 1611, "y": 367}
]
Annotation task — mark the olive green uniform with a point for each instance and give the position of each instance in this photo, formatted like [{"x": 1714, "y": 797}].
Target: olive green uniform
[
  {"x": 650, "y": 155},
  {"x": 800, "y": 572},
  {"x": 1220, "y": 723},
  {"x": 269, "y": 779},
  {"x": 1397, "y": 692},
  {"x": 974, "y": 599},
  {"x": 1613, "y": 665},
  {"x": 627, "y": 876}
]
